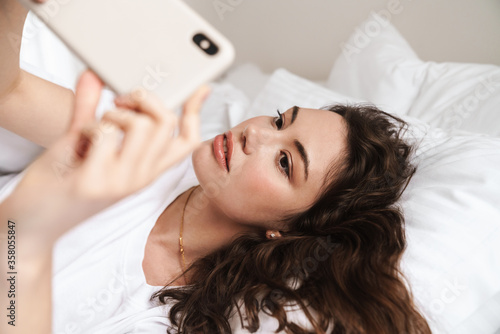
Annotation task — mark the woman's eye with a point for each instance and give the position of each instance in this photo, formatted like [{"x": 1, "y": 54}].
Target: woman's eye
[
  {"x": 279, "y": 120},
  {"x": 284, "y": 166}
]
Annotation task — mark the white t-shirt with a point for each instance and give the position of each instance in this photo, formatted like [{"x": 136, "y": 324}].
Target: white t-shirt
[{"x": 98, "y": 282}]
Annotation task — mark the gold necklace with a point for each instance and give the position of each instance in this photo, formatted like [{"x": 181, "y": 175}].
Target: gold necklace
[{"x": 181, "y": 245}]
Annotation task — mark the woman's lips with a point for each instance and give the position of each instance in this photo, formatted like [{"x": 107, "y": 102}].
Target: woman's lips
[
  {"x": 219, "y": 153},
  {"x": 229, "y": 144}
]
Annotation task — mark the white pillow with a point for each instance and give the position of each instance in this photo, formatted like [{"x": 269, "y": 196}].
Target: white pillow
[
  {"x": 248, "y": 77},
  {"x": 451, "y": 209},
  {"x": 453, "y": 229},
  {"x": 460, "y": 96},
  {"x": 284, "y": 90},
  {"x": 380, "y": 66},
  {"x": 225, "y": 105}
]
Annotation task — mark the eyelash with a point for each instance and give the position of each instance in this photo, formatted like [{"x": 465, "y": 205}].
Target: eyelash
[
  {"x": 285, "y": 170},
  {"x": 278, "y": 121}
]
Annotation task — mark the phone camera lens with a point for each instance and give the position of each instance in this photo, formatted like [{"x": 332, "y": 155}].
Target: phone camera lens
[{"x": 205, "y": 44}]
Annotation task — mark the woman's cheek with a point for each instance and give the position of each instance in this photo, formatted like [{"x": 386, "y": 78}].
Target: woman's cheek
[{"x": 261, "y": 182}]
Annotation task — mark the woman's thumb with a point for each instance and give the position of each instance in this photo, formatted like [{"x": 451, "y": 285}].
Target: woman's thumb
[{"x": 88, "y": 93}]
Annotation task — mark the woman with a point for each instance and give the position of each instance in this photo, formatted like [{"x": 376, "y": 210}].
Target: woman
[{"x": 295, "y": 209}]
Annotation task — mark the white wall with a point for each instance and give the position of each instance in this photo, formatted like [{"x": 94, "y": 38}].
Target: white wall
[{"x": 305, "y": 36}]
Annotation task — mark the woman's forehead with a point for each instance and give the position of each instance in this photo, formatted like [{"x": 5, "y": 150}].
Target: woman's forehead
[{"x": 323, "y": 135}]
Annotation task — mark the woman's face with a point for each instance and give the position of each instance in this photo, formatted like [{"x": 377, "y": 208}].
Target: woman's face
[{"x": 276, "y": 165}]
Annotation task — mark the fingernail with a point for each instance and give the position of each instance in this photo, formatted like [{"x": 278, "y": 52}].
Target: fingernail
[
  {"x": 138, "y": 94},
  {"x": 108, "y": 127},
  {"x": 122, "y": 99},
  {"x": 119, "y": 98}
]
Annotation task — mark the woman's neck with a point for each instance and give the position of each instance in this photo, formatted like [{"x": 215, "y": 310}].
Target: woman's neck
[{"x": 206, "y": 228}]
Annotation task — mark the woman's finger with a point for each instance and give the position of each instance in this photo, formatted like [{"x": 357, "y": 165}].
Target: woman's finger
[
  {"x": 190, "y": 122},
  {"x": 145, "y": 102},
  {"x": 102, "y": 142},
  {"x": 141, "y": 134},
  {"x": 88, "y": 93},
  {"x": 189, "y": 132},
  {"x": 123, "y": 118},
  {"x": 164, "y": 151}
]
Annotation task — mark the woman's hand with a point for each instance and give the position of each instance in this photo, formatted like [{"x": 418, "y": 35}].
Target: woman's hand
[
  {"x": 154, "y": 139},
  {"x": 96, "y": 164}
]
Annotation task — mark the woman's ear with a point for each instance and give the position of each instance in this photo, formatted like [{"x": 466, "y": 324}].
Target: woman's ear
[{"x": 273, "y": 234}]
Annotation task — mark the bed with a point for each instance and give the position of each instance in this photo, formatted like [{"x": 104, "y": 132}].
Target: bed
[{"x": 452, "y": 206}]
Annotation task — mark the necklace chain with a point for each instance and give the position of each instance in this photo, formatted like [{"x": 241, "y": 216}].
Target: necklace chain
[{"x": 181, "y": 244}]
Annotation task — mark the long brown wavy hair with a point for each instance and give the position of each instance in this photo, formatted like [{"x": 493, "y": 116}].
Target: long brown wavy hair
[{"x": 338, "y": 261}]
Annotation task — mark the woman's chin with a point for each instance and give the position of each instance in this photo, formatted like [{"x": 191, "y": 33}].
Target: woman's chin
[{"x": 205, "y": 166}]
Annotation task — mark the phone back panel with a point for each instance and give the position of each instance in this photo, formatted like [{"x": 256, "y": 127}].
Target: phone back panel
[{"x": 139, "y": 43}]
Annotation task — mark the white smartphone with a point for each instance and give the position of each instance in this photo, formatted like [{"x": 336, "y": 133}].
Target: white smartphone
[{"x": 162, "y": 46}]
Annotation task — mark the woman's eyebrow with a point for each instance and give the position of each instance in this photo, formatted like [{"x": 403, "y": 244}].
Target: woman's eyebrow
[
  {"x": 303, "y": 155},
  {"x": 295, "y": 111},
  {"x": 299, "y": 146}
]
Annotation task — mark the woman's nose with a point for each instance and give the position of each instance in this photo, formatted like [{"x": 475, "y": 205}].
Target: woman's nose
[{"x": 254, "y": 137}]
